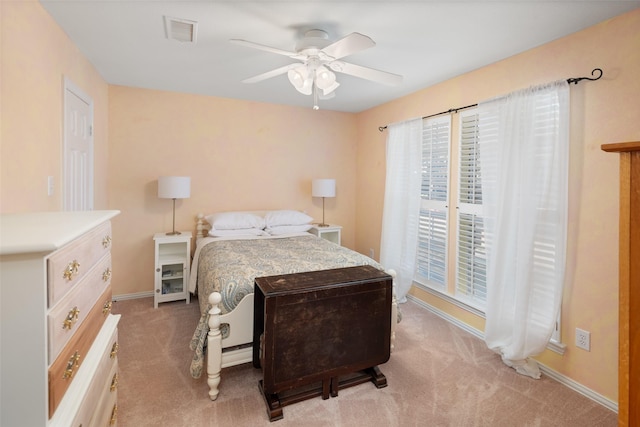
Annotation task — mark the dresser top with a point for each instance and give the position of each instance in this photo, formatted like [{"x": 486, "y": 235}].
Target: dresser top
[{"x": 46, "y": 231}]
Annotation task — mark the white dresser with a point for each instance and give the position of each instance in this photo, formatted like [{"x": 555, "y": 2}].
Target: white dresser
[{"x": 58, "y": 338}]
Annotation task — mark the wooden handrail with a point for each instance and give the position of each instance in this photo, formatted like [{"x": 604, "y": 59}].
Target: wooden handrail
[{"x": 621, "y": 147}]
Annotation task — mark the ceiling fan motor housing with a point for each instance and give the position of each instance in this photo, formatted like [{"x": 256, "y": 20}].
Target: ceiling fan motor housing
[{"x": 312, "y": 42}]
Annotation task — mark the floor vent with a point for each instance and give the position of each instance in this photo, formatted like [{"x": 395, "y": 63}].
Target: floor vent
[{"x": 182, "y": 30}]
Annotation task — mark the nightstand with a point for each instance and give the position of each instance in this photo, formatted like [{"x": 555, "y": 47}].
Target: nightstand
[
  {"x": 331, "y": 232},
  {"x": 172, "y": 258}
]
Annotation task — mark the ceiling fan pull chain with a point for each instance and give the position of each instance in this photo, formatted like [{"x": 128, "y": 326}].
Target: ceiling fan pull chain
[{"x": 315, "y": 94}]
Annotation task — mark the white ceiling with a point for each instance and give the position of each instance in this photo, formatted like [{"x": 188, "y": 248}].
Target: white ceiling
[{"x": 425, "y": 41}]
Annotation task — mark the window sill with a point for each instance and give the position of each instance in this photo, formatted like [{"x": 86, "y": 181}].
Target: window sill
[
  {"x": 557, "y": 347},
  {"x": 450, "y": 299}
]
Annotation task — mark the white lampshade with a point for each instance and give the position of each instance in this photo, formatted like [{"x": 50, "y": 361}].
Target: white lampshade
[
  {"x": 174, "y": 187},
  {"x": 323, "y": 188}
]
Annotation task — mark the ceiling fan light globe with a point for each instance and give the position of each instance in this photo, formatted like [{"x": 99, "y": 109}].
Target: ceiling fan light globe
[
  {"x": 307, "y": 88},
  {"x": 330, "y": 89},
  {"x": 300, "y": 79},
  {"x": 325, "y": 78},
  {"x": 296, "y": 78},
  {"x": 327, "y": 96}
]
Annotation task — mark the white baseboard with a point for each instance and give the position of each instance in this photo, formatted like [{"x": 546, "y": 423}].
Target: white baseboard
[
  {"x": 562, "y": 379},
  {"x": 137, "y": 295},
  {"x": 575, "y": 386},
  {"x": 473, "y": 331}
]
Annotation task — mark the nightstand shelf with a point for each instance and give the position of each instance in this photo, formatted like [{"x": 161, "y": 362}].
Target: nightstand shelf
[
  {"x": 172, "y": 263},
  {"x": 330, "y": 232}
]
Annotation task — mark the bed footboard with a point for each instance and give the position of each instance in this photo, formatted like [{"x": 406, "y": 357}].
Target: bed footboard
[{"x": 238, "y": 345}]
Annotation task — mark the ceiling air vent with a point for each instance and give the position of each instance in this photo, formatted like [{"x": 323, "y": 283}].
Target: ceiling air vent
[{"x": 182, "y": 30}]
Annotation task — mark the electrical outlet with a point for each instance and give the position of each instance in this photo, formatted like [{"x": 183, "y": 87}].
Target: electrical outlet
[
  {"x": 371, "y": 253},
  {"x": 583, "y": 339}
]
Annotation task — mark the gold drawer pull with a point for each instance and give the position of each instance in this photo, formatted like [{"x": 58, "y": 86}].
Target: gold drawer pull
[
  {"x": 106, "y": 308},
  {"x": 106, "y": 241},
  {"x": 106, "y": 275},
  {"x": 71, "y": 270},
  {"x": 114, "y": 383},
  {"x": 73, "y": 363},
  {"x": 114, "y": 415},
  {"x": 71, "y": 319},
  {"x": 114, "y": 350}
]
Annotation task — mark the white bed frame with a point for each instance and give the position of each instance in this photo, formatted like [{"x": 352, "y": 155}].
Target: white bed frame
[{"x": 237, "y": 347}]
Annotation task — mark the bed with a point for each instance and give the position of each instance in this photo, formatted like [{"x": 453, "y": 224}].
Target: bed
[{"x": 226, "y": 262}]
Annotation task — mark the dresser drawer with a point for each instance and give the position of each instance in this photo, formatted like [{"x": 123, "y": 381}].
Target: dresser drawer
[
  {"x": 106, "y": 410},
  {"x": 66, "y": 267},
  {"x": 102, "y": 392},
  {"x": 69, "y": 314},
  {"x": 62, "y": 371},
  {"x": 109, "y": 416}
]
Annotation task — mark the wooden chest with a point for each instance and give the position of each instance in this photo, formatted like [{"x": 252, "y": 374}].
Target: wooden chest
[{"x": 318, "y": 332}]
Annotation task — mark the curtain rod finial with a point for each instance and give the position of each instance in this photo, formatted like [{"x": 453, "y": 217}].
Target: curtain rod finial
[{"x": 575, "y": 80}]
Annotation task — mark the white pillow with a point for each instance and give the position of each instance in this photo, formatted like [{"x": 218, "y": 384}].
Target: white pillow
[
  {"x": 238, "y": 232},
  {"x": 235, "y": 220},
  {"x": 286, "y": 229},
  {"x": 286, "y": 217}
]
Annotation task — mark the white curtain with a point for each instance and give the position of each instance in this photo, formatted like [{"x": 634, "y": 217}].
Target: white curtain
[
  {"x": 400, "y": 216},
  {"x": 524, "y": 159}
]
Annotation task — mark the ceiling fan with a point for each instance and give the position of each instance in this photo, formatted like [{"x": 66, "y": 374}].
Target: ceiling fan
[{"x": 319, "y": 58}]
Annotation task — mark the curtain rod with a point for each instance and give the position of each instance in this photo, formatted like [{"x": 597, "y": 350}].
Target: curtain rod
[{"x": 574, "y": 80}]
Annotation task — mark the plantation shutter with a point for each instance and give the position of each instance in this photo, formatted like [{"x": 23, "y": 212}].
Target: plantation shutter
[
  {"x": 433, "y": 222},
  {"x": 471, "y": 283}
]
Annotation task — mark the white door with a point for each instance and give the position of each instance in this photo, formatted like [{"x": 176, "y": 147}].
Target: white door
[{"x": 78, "y": 149}]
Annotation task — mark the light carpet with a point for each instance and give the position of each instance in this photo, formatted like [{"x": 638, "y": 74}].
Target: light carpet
[{"x": 438, "y": 375}]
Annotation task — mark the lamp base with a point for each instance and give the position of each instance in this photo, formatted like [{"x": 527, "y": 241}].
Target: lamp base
[
  {"x": 174, "y": 232},
  {"x": 323, "y": 225}
]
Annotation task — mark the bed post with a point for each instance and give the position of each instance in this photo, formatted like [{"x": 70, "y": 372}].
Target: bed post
[
  {"x": 214, "y": 346},
  {"x": 200, "y": 227}
]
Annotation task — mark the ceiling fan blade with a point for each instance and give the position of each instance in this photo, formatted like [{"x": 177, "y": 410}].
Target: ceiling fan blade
[
  {"x": 266, "y": 48},
  {"x": 354, "y": 42},
  {"x": 366, "y": 73},
  {"x": 269, "y": 74}
]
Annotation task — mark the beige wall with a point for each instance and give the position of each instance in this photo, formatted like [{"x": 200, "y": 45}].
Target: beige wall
[
  {"x": 601, "y": 112},
  {"x": 244, "y": 155},
  {"x": 36, "y": 55},
  {"x": 240, "y": 156}
]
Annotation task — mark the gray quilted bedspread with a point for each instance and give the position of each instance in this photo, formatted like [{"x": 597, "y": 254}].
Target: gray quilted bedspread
[{"x": 230, "y": 267}]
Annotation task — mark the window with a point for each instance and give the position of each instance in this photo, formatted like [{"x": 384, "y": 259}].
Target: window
[
  {"x": 467, "y": 229},
  {"x": 433, "y": 222},
  {"x": 471, "y": 263},
  {"x": 434, "y": 229}
]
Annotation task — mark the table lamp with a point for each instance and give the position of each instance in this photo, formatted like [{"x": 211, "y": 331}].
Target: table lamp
[
  {"x": 323, "y": 188},
  {"x": 174, "y": 187}
]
